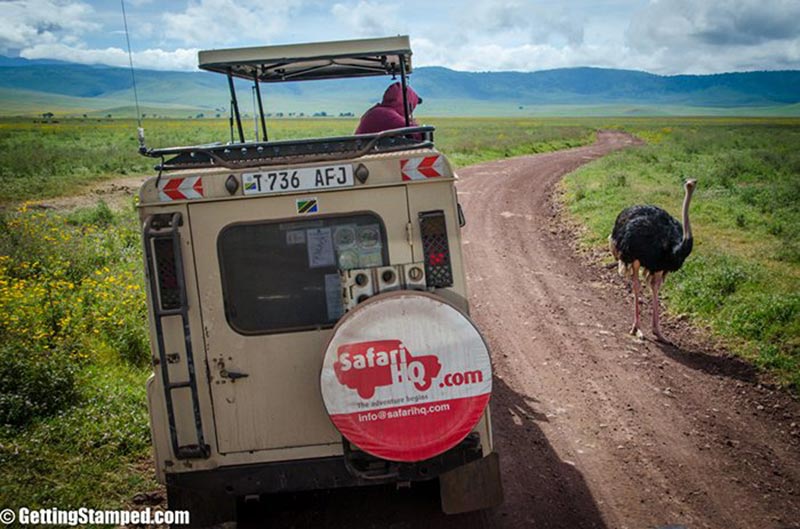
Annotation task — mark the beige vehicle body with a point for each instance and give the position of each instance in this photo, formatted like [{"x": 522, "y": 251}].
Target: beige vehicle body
[{"x": 238, "y": 336}]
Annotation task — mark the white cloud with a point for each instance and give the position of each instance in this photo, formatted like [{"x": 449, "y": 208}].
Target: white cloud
[
  {"x": 212, "y": 22},
  {"x": 702, "y": 36},
  {"x": 28, "y": 22},
  {"x": 487, "y": 56},
  {"x": 663, "y": 36},
  {"x": 155, "y": 59},
  {"x": 531, "y": 23},
  {"x": 370, "y": 19},
  {"x": 666, "y": 36}
]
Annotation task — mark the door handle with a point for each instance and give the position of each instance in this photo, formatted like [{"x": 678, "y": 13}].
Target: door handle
[{"x": 233, "y": 375}]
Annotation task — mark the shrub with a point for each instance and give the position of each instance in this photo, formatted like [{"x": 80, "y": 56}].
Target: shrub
[
  {"x": 58, "y": 290},
  {"x": 34, "y": 384},
  {"x": 706, "y": 282},
  {"x": 767, "y": 316}
]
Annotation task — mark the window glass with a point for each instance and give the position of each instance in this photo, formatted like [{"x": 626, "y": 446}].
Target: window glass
[{"x": 282, "y": 276}]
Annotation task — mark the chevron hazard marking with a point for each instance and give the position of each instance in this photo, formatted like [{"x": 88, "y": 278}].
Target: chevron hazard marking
[
  {"x": 421, "y": 168},
  {"x": 180, "y": 188}
]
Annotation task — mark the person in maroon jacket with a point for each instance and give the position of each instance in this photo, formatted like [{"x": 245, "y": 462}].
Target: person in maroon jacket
[{"x": 388, "y": 114}]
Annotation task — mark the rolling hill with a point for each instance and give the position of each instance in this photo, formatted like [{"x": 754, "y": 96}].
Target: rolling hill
[{"x": 33, "y": 87}]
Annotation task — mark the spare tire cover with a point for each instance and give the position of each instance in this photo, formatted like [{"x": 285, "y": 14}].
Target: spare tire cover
[{"x": 406, "y": 376}]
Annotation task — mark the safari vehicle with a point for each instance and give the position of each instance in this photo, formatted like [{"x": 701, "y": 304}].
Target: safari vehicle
[{"x": 308, "y": 306}]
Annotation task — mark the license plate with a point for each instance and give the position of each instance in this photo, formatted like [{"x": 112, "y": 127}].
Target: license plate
[{"x": 300, "y": 179}]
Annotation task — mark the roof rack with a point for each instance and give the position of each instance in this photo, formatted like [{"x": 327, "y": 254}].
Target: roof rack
[{"x": 252, "y": 154}]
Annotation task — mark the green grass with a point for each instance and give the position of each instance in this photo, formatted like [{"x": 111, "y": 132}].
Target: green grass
[
  {"x": 73, "y": 360},
  {"x": 743, "y": 278},
  {"x": 170, "y": 100},
  {"x": 42, "y": 160},
  {"x": 89, "y": 455},
  {"x": 467, "y": 141}
]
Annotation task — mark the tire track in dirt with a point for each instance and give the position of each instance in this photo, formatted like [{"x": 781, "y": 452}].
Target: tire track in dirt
[{"x": 629, "y": 434}]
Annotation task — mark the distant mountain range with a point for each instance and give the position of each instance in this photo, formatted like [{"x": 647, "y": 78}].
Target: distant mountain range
[{"x": 34, "y": 87}]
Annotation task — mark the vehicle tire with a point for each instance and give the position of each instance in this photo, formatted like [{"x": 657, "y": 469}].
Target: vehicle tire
[{"x": 205, "y": 510}]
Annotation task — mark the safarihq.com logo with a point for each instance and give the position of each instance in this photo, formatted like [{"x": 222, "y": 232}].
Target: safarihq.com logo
[
  {"x": 84, "y": 516},
  {"x": 365, "y": 366}
]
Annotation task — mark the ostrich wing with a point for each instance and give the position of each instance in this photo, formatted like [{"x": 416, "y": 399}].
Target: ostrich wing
[{"x": 647, "y": 234}]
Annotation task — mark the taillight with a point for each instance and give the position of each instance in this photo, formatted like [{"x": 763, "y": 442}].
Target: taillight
[
  {"x": 167, "y": 273},
  {"x": 433, "y": 231}
]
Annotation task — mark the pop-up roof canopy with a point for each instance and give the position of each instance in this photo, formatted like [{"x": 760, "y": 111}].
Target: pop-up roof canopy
[
  {"x": 300, "y": 62},
  {"x": 319, "y": 60}
]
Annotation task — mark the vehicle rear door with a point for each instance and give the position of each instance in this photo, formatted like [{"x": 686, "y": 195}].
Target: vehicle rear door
[{"x": 267, "y": 270}]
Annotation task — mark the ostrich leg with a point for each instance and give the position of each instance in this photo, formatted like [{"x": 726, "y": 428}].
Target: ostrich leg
[
  {"x": 636, "y": 288},
  {"x": 655, "y": 284}
]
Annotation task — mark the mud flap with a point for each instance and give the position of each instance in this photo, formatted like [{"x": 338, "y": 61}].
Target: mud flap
[{"x": 474, "y": 486}]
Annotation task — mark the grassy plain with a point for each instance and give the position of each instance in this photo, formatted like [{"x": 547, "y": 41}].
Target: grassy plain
[
  {"x": 743, "y": 278},
  {"x": 41, "y": 160}
]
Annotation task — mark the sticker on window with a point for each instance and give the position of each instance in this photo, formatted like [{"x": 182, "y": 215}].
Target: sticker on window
[
  {"x": 295, "y": 237},
  {"x": 348, "y": 259},
  {"x": 369, "y": 236},
  {"x": 333, "y": 296},
  {"x": 344, "y": 237},
  {"x": 320, "y": 248}
]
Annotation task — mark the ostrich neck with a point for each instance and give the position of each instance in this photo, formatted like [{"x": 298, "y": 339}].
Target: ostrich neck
[{"x": 687, "y": 227}]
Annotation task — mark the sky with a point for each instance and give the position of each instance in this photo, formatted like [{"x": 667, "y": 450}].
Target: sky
[{"x": 659, "y": 36}]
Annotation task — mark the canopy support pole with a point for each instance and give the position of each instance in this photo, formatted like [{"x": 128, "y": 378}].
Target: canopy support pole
[
  {"x": 235, "y": 106},
  {"x": 260, "y": 107},
  {"x": 405, "y": 95}
]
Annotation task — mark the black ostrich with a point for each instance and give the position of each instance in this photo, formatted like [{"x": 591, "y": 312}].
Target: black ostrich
[{"x": 648, "y": 237}]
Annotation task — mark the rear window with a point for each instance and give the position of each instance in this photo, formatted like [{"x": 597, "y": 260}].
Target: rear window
[{"x": 284, "y": 276}]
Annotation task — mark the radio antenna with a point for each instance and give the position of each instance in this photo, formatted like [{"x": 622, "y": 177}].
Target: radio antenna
[{"x": 139, "y": 128}]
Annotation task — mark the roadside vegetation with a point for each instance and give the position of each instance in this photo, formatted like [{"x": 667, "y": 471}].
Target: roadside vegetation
[
  {"x": 73, "y": 322},
  {"x": 74, "y": 358},
  {"x": 743, "y": 278},
  {"x": 42, "y": 160}
]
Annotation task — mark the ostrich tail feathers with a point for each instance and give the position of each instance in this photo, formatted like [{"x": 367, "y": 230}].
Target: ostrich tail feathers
[
  {"x": 624, "y": 269},
  {"x": 613, "y": 247}
]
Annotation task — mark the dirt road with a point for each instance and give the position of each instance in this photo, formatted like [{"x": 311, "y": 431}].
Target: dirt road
[
  {"x": 599, "y": 429},
  {"x": 596, "y": 429}
]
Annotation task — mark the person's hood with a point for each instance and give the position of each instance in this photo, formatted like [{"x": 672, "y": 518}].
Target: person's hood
[{"x": 393, "y": 97}]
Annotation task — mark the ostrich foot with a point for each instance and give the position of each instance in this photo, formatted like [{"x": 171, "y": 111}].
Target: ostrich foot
[
  {"x": 660, "y": 338},
  {"x": 635, "y": 331}
]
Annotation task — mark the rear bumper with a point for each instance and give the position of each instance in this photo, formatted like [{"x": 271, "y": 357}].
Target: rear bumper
[{"x": 353, "y": 469}]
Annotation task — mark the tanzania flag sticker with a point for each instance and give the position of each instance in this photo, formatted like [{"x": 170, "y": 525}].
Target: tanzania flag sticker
[{"x": 307, "y": 205}]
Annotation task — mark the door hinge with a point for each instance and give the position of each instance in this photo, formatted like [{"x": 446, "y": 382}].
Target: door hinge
[{"x": 410, "y": 234}]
